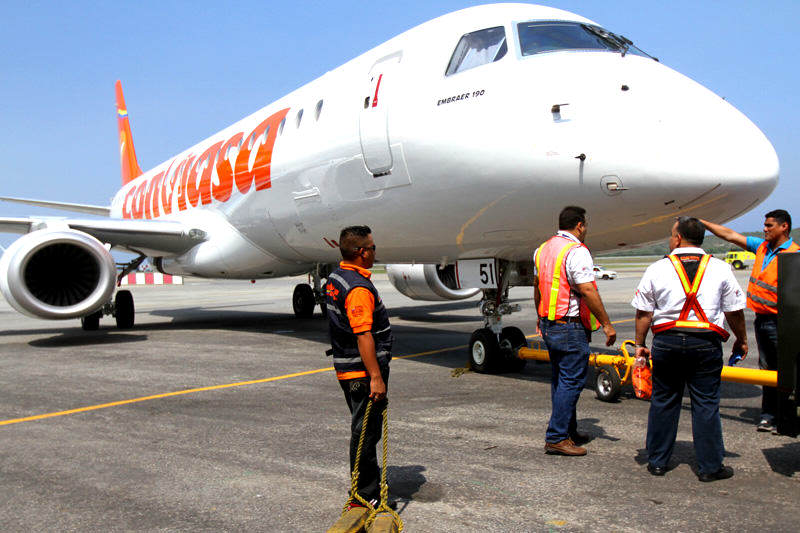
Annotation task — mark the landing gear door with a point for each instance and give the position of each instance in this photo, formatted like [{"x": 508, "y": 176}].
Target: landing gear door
[{"x": 373, "y": 118}]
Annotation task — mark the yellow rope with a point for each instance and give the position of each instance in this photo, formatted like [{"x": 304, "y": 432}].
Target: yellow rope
[
  {"x": 384, "y": 506},
  {"x": 354, "y": 495}
]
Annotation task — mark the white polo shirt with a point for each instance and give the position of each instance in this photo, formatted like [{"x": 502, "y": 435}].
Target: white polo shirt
[
  {"x": 661, "y": 292},
  {"x": 580, "y": 269}
]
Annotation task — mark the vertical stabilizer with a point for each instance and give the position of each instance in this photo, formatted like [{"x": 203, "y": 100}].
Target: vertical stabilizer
[{"x": 127, "y": 154}]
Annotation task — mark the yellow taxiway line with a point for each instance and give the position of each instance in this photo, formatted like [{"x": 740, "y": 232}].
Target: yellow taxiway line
[{"x": 218, "y": 387}]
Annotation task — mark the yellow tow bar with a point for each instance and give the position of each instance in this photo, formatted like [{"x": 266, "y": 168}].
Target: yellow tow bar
[{"x": 615, "y": 367}]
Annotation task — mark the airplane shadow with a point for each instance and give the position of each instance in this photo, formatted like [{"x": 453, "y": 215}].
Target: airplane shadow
[
  {"x": 86, "y": 338},
  {"x": 431, "y": 313},
  {"x": 409, "y": 339}
]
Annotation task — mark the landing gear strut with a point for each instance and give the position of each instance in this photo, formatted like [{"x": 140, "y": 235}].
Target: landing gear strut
[
  {"x": 493, "y": 348},
  {"x": 305, "y": 298},
  {"x": 122, "y": 309}
]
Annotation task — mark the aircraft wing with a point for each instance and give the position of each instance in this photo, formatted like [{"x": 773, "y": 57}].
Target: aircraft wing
[
  {"x": 78, "y": 208},
  {"x": 150, "y": 237}
]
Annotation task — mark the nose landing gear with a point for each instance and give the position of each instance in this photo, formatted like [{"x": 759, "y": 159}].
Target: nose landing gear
[{"x": 493, "y": 348}]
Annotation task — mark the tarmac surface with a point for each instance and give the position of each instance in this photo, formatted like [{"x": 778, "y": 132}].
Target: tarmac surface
[{"x": 262, "y": 446}]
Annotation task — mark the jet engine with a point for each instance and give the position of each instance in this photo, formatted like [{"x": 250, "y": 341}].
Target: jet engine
[
  {"x": 57, "y": 274},
  {"x": 427, "y": 282}
]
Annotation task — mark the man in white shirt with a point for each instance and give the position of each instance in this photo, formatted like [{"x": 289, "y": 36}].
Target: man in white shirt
[
  {"x": 684, "y": 297},
  {"x": 569, "y": 308}
]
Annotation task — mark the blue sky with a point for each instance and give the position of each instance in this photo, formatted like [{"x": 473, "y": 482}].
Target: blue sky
[{"x": 191, "y": 68}]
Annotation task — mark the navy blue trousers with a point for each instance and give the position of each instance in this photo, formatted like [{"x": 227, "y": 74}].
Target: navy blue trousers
[
  {"x": 694, "y": 362},
  {"x": 568, "y": 345}
]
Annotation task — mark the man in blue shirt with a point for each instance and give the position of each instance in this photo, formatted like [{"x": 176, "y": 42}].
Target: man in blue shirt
[{"x": 762, "y": 294}]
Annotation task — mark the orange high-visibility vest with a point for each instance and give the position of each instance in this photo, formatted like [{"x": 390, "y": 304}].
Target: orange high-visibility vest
[
  {"x": 554, "y": 290},
  {"x": 691, "y": 303},
  {"x": 762, "y": 291}
]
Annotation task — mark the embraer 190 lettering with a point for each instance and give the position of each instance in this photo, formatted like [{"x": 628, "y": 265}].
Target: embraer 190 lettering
[{"x": 457, "y": 141}]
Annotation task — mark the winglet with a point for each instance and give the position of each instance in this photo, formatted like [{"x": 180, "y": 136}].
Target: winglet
[{"x": 127, "y": 153}]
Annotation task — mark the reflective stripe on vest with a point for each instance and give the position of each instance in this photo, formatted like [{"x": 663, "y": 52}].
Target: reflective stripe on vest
[
  {"x": 691, "y": 303},
  {"x": 554, "y": 292},
  {"x": 555, "y": 295},
  {"x": 762, "y": 290}
]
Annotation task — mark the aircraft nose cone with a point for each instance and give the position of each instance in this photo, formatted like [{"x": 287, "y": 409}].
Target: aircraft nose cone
[
  {"x": 719, "y": 163},
  {"x": 748, "y": 160}
]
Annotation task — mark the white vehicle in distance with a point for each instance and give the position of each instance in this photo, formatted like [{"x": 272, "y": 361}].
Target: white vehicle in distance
[{"x": 603, "y": 273}]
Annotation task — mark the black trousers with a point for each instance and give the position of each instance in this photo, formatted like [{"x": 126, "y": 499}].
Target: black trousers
[
  {"x": 766, "y": 327},
  {"x": 686, "y": 361},
  {"x": 356, "y": 394}
]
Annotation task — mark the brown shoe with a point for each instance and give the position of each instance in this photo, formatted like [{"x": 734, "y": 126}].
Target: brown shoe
[{"x": 564, "y": 447}]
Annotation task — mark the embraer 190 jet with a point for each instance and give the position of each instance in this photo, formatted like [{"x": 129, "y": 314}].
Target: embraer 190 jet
[{"x": 457, "y": 141}]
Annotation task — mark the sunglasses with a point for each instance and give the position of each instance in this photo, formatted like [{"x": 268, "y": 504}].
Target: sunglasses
[{"x": 372, "y": 248}]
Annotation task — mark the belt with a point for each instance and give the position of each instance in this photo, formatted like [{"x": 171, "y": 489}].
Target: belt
[
  {"x": 566, "y": 320},
  {"x": 710, "y": 335}
]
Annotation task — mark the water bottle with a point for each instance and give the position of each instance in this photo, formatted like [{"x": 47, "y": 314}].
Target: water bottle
[{"x": 735, "y": 358}]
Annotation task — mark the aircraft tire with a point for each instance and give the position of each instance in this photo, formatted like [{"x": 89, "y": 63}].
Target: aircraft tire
[
  {"x": 608, "y": 385},
  {"x": 124, "y": 310},
  {"x": 512, "y": 339},
  {"x": 91, "y": 322},
  {"x": 303, "y": 301},
  {"x": 484, "y": 352}
]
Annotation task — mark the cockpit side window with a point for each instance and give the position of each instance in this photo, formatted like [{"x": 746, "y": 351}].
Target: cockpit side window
[
  {"x": 551, "y": 36},
  {"x": 478, "y": 48}
]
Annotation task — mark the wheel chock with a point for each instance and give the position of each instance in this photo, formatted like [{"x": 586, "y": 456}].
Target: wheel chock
[
  {"x": 384, "y": 523},
  {"x": 352, "y": 521}
]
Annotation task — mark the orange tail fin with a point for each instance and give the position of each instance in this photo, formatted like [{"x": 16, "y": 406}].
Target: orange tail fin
[{"x": 127, "y": 153}]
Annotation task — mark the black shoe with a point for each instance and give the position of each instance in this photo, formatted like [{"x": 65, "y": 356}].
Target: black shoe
[
  {"x": 724, "y": 472},
  {"x": 580, "y": 438},
  {"x": 656, "y": 470}
]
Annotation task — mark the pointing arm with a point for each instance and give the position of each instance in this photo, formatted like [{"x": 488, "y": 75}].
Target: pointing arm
[{"x": 728, "y": 234}]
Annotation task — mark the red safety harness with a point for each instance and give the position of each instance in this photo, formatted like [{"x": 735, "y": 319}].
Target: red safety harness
[{"x": 691, "y": 303}]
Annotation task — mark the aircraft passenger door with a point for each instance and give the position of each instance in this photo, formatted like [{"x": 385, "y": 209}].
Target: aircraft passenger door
[{"x": 373, "y": 118}]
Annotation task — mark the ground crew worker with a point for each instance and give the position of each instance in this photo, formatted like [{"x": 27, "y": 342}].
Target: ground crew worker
[
  {"x": 762, "y": 295},
  {"x": 567, "y": 302},
  {"x": 684, "y": 297},
  {"x": 361, "y": 345}
]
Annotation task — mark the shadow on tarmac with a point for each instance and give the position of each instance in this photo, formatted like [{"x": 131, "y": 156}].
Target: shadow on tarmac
[
  {"x": 410, "y": 339},
  {"x": 784, "y": 460},
  {"x": 93, "y": 338},
  {"x": 407, "y": 483}
]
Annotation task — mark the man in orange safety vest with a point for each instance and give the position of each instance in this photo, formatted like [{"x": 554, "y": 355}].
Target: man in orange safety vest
[
  {"x": 685, "y": 297},
  {"x": 569, "y": 309},
  {"x": 762, "y": 294}
]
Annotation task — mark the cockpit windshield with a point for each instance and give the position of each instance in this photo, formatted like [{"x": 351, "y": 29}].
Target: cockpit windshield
[{"x": 552, "y": 36}]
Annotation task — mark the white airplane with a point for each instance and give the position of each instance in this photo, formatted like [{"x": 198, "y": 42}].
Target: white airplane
[{"x": 457, "y": 142}]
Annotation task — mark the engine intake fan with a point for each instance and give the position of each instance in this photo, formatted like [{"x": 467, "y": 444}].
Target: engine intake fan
[{"x": 57, "y": 274}]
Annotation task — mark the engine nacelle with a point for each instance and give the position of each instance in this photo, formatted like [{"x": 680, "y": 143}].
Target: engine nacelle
[
  {"x": 57, "y": 274},
  {"x": 427, "y": 282}
]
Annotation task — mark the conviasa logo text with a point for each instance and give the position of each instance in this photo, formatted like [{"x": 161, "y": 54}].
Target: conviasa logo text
[{"x": 189, "y": 182}]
